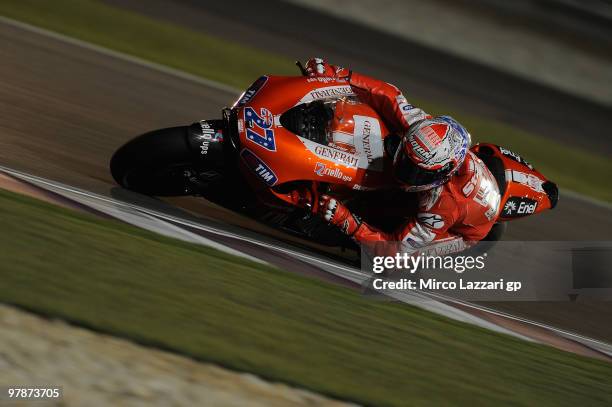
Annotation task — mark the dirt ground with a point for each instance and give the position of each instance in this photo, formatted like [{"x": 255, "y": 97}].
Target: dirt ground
[{"x": 100, "y": 370}]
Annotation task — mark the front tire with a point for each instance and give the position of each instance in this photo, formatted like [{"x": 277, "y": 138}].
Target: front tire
[{"x": 167, "y": 162}]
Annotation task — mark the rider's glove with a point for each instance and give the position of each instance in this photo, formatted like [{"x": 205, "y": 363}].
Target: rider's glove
[
  {"x": 318, "y": 67},
  {"x": 339, "y": 215}
]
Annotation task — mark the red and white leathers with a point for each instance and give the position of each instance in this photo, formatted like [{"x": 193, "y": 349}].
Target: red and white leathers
[
  {"x": 388, "y": 101},
  {"x": 457, "y": 213},
  {"x": 385, "y": 98},
  {"x": 460, "y": 211}
]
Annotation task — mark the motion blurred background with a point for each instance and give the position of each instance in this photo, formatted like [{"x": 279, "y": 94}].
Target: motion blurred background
[{"x": 532, "y": 75}]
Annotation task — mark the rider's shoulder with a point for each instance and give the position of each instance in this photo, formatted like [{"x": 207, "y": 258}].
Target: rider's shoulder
[
  {"x": 445, "y": 197},
  {"x": 430, "y": 198}
]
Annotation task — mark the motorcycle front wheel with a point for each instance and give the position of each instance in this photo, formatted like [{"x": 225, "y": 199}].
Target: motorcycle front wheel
[{"x": 168, "y": 162}]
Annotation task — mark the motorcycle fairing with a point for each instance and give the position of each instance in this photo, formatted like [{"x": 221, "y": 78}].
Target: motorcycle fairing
[
  {"x": 525, "y": 191},
  {"x": 350, "y": 158}
]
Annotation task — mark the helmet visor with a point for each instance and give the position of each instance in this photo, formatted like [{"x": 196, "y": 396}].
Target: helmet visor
[{"x": 407, "y": 172}]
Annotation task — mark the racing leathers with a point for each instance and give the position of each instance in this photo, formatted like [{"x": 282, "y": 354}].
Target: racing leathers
[
  {"x": 457, "y": 213},
  {"x": 453, "y": 214}
]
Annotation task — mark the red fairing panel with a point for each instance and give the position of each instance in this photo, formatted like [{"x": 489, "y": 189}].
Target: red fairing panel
[{"x": 526, "y": 190}]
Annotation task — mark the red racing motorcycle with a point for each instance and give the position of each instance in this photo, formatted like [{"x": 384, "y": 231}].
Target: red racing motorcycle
[{"x": 285, "y": 133}]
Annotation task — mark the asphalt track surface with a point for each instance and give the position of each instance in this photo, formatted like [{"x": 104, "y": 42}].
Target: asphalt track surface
[
  {"x": 421, "y": 72},
  {"x": 65, "y": 109}
]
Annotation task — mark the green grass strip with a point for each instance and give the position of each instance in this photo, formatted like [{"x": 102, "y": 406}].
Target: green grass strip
[
  {"x": 237, "y": 65},
  {"x": 156, "y": 41},
  {"x": 122, "y": 280}
]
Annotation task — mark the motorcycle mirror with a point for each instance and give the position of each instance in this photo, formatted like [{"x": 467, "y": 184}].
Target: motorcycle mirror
[{"x": 302, "y": 69}]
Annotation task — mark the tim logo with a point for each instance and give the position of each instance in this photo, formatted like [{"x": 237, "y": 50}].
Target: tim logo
[
  {"x": 258, "y": 127},
  {"x": 252, "y": 91},
  {"x": 259, "y": 167}
]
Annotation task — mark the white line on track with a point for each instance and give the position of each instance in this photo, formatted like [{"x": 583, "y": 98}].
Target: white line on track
[
  {"x": 432, "y": 302},
  {"x": 589, "y": 342},
  {"x": 193, "y": 78},
  {"x": 584, "y": 198},
  {"x": 154, "y": 224}
]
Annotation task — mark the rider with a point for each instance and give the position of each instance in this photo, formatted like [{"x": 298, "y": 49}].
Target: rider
[{"x": 457, "y": 195}]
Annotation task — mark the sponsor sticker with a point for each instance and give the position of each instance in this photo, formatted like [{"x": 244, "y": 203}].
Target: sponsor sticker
[
  {"x": 514, "y": 156},
  {"x": 403, "y": 103},
  {"x": 326, "y": 79},
  {"x": 337, "y": 156},
  {"x": 209, "y": 134},
  {"x": 322, "y": 170},
  {"x": 432, "y": 220},
  {"x": 259, "y": 167},
  {"x": 331, "y": 154},
  {"x": 487, "y": 194},
  {"x": 327, "y": 93},
  {"x": 516, "y": 207},
  {"x": 524, "y": 178},
  {"x": 368, "y": 141},
  {"x": 250, "y": 93}
]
